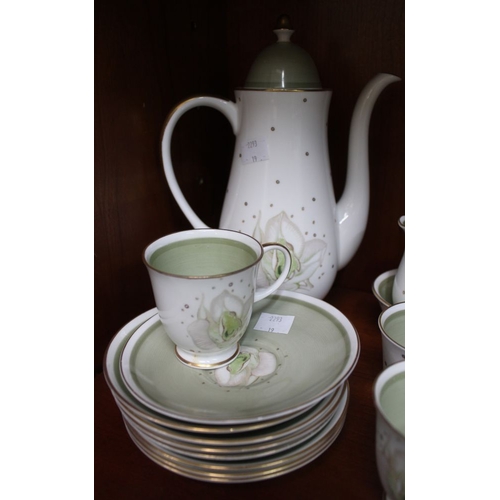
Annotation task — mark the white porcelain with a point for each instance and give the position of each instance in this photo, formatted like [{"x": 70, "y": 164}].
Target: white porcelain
[
  {"x": 205, "y": 285},
  {"x": 132, "y": 407},
  {"x": 253, "y": 450},
  {"x": 390, "y": 429},
  {"x": 252, "y": 470},
  {"x": 278, "y": 374},
  {"x": 233, "y": 448},
  {"x": 280, "y": 186},
  {"x": 391, "y": 323},
  {"x": 398, "y": 288},
  {"x": 234, "y": 442},
  {"x": 382, "y": 288}
]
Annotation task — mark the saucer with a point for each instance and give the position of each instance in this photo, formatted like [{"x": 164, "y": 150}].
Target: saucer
[
  {"x": 234, "y": 446},
  {"x": 222, "y": 443},
  {"x": 230, "y": 451},
  {"x": 382, "y": 288},
  {"x": 311, "y": 361},
  {"x": 128, "y": 404},
  {"x": 245, "y": 471}
]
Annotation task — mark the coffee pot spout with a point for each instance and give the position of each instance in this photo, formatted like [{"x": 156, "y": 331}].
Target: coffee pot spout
[{"x": 352, "y": 208}]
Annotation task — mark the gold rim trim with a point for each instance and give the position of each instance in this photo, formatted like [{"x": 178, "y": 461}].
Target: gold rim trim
[
  {"x": 166, "y": 436},
  {"x": 274, "y": 468},
  {"x": 208, "y": 366},
  {"x": 207, "y": 449},
  {"x": 377, "y": 284},
  {"x": 384, "y": 315},
  {"x": 258, "y": 257},
  {"x": 173, "y": 424},
  {"x": 376, "y": 400}
]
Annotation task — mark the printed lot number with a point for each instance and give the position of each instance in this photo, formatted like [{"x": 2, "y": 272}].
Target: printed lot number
[
  {"x": 274, "y": 323},
  {"x": 254, "y": 150}
]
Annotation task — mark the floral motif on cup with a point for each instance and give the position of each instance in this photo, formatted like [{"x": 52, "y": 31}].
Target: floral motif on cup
[
  {"x": 250, "y": 365},
  {"x": 392, "y": 456},
  {"x": 307, "y": 256},
  {"x": 222, "y": 323}
]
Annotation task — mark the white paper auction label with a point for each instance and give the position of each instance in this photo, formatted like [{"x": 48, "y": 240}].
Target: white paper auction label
[
  {"x": 274, "y": 323},
  {"x": 254, "y": 150}
]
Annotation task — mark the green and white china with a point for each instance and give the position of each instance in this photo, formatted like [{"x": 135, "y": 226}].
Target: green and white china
[
  {"x": 391, "y": 323},
  {"x": 283, "y": 65},
  {"x": 382, "y": 288},
  {"x": 280, "y": 186},
  {"x": 390, "y": 429},
  {"x": 295, "y": 421},
  {"x": 277, "y": 374},
  {"x": 268, "y": 444},
  {"x": 243, "y": 446},
  {"x": 205, "y": 285},
  {"x": 223, "y": 443},
  {"x": 129, "y": 405},
  {"x": 245, "y": 471}
]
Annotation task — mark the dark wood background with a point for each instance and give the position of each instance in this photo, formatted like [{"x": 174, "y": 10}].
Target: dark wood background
[{"x": 152, "y": 54}]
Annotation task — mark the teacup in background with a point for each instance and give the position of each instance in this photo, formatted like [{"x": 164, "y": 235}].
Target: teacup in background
[
  {"x": 391, "y": 323},
  {"x": 204, "y": 284},
  {"x": 390, "y": 430}
]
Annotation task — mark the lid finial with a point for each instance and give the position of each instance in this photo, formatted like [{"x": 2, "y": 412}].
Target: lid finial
[
  {"x": 283, "y": 22},
  {"x": 283, "y": 65}
]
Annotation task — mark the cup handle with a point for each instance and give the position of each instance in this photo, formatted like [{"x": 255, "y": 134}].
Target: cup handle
[{"x": 264, "y": 292}]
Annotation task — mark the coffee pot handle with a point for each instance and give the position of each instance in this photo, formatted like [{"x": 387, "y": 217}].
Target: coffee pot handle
[{"x": 228, "y": 109}]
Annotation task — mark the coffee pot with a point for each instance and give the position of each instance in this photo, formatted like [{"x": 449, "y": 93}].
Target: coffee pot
[{"x": 280, "y": 186}]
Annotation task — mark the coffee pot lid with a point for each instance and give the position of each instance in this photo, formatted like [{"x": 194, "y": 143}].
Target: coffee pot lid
[{"x": 283, "y": 65}]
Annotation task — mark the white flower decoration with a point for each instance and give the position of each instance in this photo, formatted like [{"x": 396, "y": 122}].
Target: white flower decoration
[
  {"x": 307, "y": 256},
  {"x": 249, "y": 365},
  {"x": 222, "y": 323}
]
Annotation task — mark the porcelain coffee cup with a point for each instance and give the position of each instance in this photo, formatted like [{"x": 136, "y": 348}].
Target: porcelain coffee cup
[
  {"x": 390, "y": 429},
  {"x": 204, "y": 283},
  {"x": 391, "y": 323}
]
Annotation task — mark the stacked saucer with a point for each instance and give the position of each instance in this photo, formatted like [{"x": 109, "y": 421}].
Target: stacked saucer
[{"x": 277, "y": 407}]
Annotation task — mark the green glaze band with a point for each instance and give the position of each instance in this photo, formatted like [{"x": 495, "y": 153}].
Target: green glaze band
[
  {"x": 203, "y": 257},
  {"x": 394, "y": 327},
  {"x": 392, "y": 401}
]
